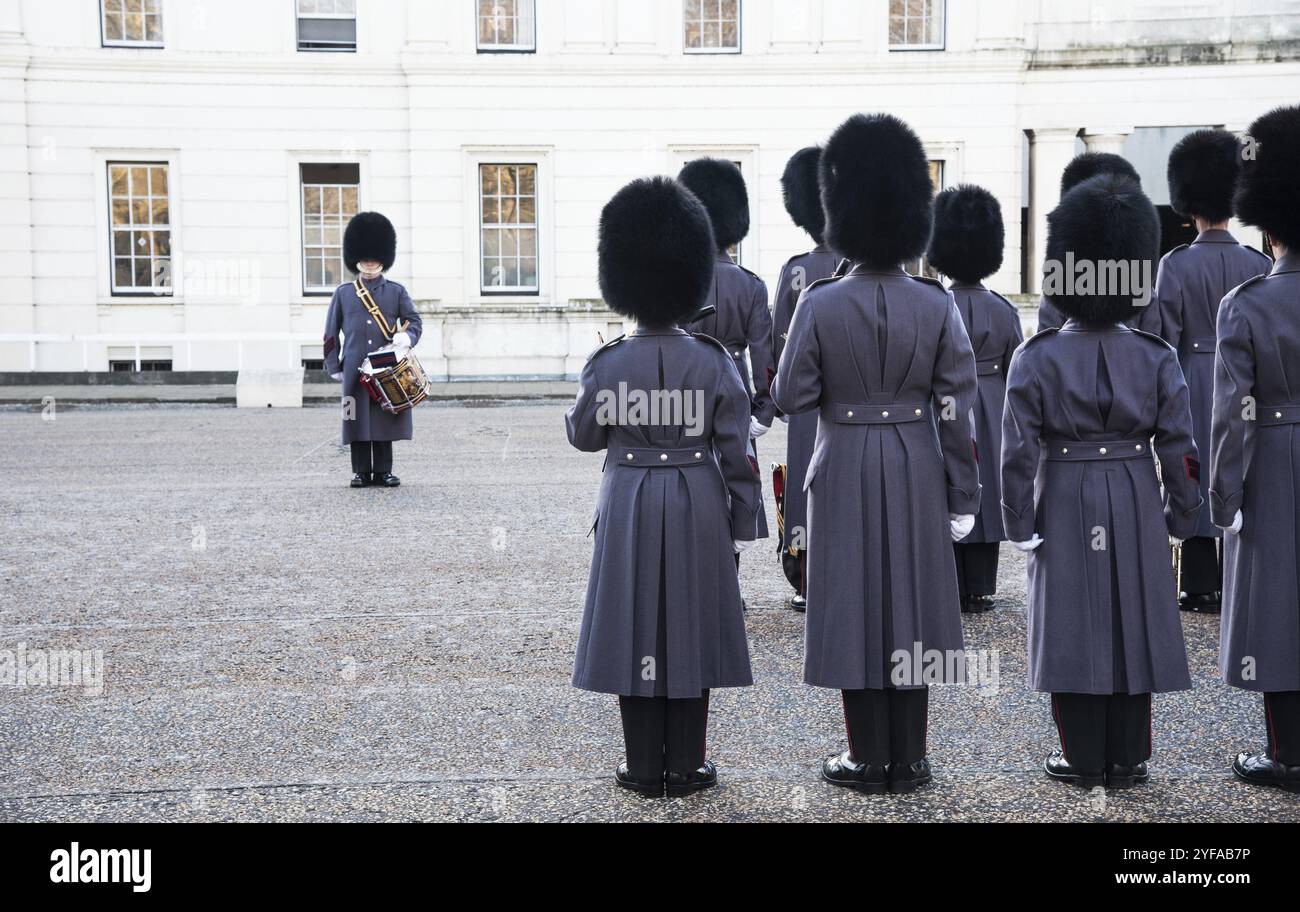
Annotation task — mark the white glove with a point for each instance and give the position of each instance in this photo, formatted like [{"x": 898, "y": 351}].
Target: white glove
[
  {"x": 402, "y": 342},
  {"x": 1028, "y": 546},
  {"x": 962, "y": 525},
  {"x": 337, "y": 378},
  {"x": 756, "y": 429},
  {"x": 1238, "y": 521},
  {"x": 741, "y": 547}
]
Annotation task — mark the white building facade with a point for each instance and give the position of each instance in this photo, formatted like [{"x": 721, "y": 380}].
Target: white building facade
[{"x": 175, "y": 174}]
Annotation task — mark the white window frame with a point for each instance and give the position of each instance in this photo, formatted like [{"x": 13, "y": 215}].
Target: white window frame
[
  {"x": 515, "y": 48},
  {"x": 308, "y": 289},
  {"x": 298, "y": 16},
  {"x": 740, "y": 33},
  {"x": 105, "y": 41},
  {"x": 542, "y": 157},
  {"x": 107, "y": 298},
  {"x": 942, "y": 7},
  {"x": 747, "y": 158},
  {"x": 295, "y": 261}
]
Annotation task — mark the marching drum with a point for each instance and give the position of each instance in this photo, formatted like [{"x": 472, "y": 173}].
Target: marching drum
[{"x": 397, "y": 387}]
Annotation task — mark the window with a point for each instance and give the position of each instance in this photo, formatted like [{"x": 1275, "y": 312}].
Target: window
[
  {"x": 131, "y": 23},
  {"x": 329, "y": 200},
  {"x": 327, "y": 25},
  {"x": 712, "y": 27},
  {"x": 312, "y": 357},
  {"x": 916, "y": 24},
  {"x": 506, "y": 25},
  {"x": 508, "y": 228},
  {"x": 921, "y": 265},
  {"x": 139, "y": 223},
  {"x": 127, "y": 359}
]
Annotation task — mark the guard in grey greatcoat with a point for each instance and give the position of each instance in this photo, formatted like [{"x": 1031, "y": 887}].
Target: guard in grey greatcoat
[
  {"x": 1255, "y": 471},
  {"x": 369, "y": 249},
  {"x": 1082, "y": 168},
  {"x": 967, "y": 247},
  {"x": 663, "y": 624},
  {"x": 803, "y": 201},
  {"x": 1193, "y": 279},
  {"x": 1081, "y": 496},
  {"x": 884, "y": 359},
  {"x": 741, "y": 320}
]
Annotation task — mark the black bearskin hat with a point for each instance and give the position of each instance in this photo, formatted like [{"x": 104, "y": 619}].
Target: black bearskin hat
[
  {"x": 968, "y": 234},
  {"x": 656, "y": 255},
  {"x": 369, "y": 236},
  {"x": 1090, "y": 164},
  {"x": 1105, "y": 220},
  {"x": 876, "y": 191},
  {"x": 721, "y": 187},
  {"x": 1268, "y": 195},
  {"x": 1203, "y": 170},
  {"x": 803, "y": 195}
]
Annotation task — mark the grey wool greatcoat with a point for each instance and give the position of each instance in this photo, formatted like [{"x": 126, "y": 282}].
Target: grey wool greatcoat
[
  {"x": 1256, "y": 469},
  {"x": 1192, "y": 280},
  {"x": 663, "y": 615},
  {"x": 801, "y": 432},
  {"x": 1083, "y": 405},
  {"x": 348, "y": 316},
  {"x": 993, "y": 324},
  {"x": 884, "y": 359},
  {"x": 744, "y": 323}
]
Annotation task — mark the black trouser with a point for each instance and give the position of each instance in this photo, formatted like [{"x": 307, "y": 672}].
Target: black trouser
[
  {"x": 664, "y": 735},
  {"x": 1282, "y": 713},
  {"x": 977, "y": 568},
  {"x": 887, "y": 726},
  {"x": 372, "y": 457},
  {"x": 1202, "y": 569},
  {"x": 1100, "y": 729}
]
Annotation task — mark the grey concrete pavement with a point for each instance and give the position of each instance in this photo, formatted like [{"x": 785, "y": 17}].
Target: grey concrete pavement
[{"x": 279, "y": 647}]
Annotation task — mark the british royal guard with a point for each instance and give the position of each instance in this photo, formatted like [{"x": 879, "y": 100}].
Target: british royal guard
[
  {"x": 369, "y": 250},
  {"x": 1192, "y": 281},
  {"x": 1255, "y": 472},
  {"x": 967, "y": 247},
  {"x": 1080, "y": 493},
  {"x": 803, "y": 201},
  {"x": 884, "y": 360},
  {"x": 1082, "y": 168},
  {"x": 663, "y": 625},
  {"x": 741, "y": 320}
]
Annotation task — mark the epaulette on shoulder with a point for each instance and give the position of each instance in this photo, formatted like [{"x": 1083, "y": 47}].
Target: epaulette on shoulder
[
  {"x": 705, "y": 337},
  {"x": 820, "y": 282},
  {"x": 1261, "y": 254},
  {"x": 1005, "y": 300},
  {"x": 1041, "y": 334},
  {"x": 929, "y": 281},
  {"x": 1151, "y": 337},
  {"x": 606, "y": 347},
  {"x": 1244, "y": 285},
  {"x": 1178, "y": 249},
  {"x": 753, "y": 275}
]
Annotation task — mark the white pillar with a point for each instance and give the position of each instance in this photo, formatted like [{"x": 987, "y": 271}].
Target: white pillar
[
  {"x": 1106, "y": 139},
  {"x": 17, "y": 291},
  {"x": 1050, "y": 151}
]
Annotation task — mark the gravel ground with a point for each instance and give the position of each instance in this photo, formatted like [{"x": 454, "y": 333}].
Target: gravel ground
[{"x": 279, "y": 647}]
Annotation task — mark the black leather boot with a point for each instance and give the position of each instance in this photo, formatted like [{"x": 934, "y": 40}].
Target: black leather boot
[
  {"x": 1125, "y": 777},
  {"x": 979, "y": 604},
  {"x": 653, "y": 789},
  {"x": 1260, "y": 769},
  {"x": 1060, "y": 769},
  {"x": 1204, "y": 603},
  {"x": 389, "y": 481},
  {"x": 799, "y": 603},
  {"x": 841, "y": 770},
  {"x": 904, "y": 779},
  {"x": 682, "y": 784},
  {"x": 360, "y": 481}
]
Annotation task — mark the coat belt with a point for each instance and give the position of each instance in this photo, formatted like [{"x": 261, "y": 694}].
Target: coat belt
[
  {"x": 878, "y": 413},
  {"x": 638, "y": 458},
  {"x": 988, "y": 368},
  {"x": 1278, "y": 415},
  {"x": 1097, "y": 450},
  {"x": 1206, "y": 346}
]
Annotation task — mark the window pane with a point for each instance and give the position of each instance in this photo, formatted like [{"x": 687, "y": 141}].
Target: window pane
[
  {"x": 528, "y": 273},
  {"x": 122, "y": 272},
  {"x": 162, "y": 243},
  {"x": 113, "y": 28},
  {"x": 160, "y": 211}
]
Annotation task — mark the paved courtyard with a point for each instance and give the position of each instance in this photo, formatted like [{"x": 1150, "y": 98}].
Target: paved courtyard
[{"x": 276, "y": 646}]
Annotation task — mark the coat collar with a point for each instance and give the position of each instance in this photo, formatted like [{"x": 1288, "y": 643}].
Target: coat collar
[
  {"x": 672, "y": 331},
  {"x": 966, "y": 286},
  {"x": 1073, "y": 325},
  {"x": 372, "y": 284},
  {"x": 1288, "y": 263},
  {"x": 1215, "y": 236},
  {"x": 862, "y": 269},
  {"x": 723, "y": 257}
]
